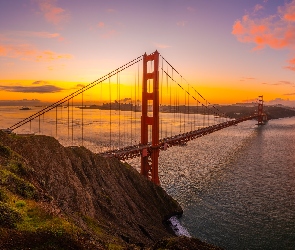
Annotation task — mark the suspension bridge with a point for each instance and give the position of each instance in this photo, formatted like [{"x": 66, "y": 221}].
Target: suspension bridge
[{"x": 152, "y": 109}]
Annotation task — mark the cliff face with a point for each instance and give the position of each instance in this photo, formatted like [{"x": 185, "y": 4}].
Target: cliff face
[{"x": 106, "y": 199}]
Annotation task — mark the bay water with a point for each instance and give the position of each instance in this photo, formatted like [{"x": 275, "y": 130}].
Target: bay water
[{"x": 236, "y": 186}]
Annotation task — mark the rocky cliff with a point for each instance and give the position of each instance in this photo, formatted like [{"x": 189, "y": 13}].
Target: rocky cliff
[{"x": 55, "y": 197}]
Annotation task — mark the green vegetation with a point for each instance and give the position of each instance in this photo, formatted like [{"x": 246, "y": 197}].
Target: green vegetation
[
  {"x": 20, "y": 211},
  {"x": 3, "y": 195},
  {"x": 8, "y": 216},
  {"x": 18, "y": 168},
  {"x": 113, "y": 246},
  {"x": 17, "y": 185},
  {"x": 5, "y": 151},
  {"x": 92, "y": 223},
  {"x": 35, "y": 218}
]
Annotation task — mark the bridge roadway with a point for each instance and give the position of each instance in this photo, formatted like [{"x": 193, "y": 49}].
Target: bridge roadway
[{"x": 177, "y": 140}]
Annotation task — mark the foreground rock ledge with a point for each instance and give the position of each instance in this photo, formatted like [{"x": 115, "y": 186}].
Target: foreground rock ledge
[{"x": 98, "y": 203}]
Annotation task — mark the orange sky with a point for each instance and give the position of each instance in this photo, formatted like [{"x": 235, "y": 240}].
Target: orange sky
[{"x": 229, "y": 52}]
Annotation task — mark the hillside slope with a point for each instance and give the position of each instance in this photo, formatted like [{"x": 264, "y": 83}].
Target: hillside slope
[{"x": 53, "y": 197}]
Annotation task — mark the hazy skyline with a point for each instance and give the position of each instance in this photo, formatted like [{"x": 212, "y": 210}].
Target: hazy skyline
[{"x": 230, "y": 51}]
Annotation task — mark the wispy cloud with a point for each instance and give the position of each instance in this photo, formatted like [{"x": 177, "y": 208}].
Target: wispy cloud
[
  {"x": 29, "y": 52},
  {"x": 110, "y": 10},
  {"x": 258, "y": 7},
  {"x": 181, "y": 23},
  {"x": 51, "y": 12},
  {"x": 190, "y": 9},
  {"x": 108, "y": 34},
  {"x": 279, "y": 83},
  {"x": 101, "y": 24},
  {"x": 276, "y": 31},
  {"x": 247, "y": 78},
  {"x": 31, "y": 89},
  {"x": 105, "y": 30},
  {"x": 21, "y": 34},
  {"x": 289, "y": 94},
  {"x": 16, "y": 37},
  {"x": 40, "y": 83},
  {"x": 162, "y": 46},
  {"x": 286, "y": 82}
]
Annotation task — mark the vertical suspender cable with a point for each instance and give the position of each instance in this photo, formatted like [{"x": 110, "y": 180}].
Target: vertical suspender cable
[
  {"x": 184, "y": 111},
  {"x": 56, "y": 121},
  {"x": 208, "y": 114},
  {"x": 72, "y": 121},
  {"x": 119, "y": 101},
  {"x": 170, "y": 109},
  {"x": 68, "y": 118},
  {"x": 138, "y": 96},
  {"x": 203, "y": 115},
  {"x": 180, "y": 106},
  {"x": 100, "y": 121},
  {"x": 82, "y": 125},
  {"x": 197, "y": 113},
  {"x": 131, "y": 128},
  {"x": 135, "y": 108},
  {"x": 188, "y": 111},
  {"x": 110, "y": 125}
]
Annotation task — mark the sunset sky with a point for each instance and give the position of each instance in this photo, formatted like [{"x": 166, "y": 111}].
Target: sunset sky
[{"x": 230, "y": 50}]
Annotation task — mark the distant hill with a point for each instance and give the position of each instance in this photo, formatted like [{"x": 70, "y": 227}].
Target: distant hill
[{"x": 272, "y": 112}]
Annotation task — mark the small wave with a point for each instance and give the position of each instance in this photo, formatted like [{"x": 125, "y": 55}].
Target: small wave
[{"x": 178, "y": 228}]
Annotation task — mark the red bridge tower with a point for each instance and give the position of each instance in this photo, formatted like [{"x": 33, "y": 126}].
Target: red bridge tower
[
  {"x": 149, "y": 157},
  {"x": 261, "y": 116}
]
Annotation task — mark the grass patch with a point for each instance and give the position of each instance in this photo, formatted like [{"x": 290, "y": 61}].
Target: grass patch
[
  {"x": 8, "y": 216},
  {"x": 36, "y": 218},
  {"x": 92, "y": 223},
  {"x": 17, "y": 185}
]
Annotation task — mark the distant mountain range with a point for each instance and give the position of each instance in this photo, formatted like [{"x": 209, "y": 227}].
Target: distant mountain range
[
  {"x": 36, "y": 102},
  {"x": 24, "y": 102},
  {"x": 279, "y": 101}
]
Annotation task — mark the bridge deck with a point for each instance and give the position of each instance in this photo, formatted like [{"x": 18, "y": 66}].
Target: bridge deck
[{"x": 181, "y": 139}]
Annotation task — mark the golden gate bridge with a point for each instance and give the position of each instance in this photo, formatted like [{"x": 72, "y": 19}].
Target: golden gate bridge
[{"x": 161, "y": 90}]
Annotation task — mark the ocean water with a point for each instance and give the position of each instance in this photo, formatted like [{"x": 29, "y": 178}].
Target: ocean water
[{"x": 236, "y": 186}]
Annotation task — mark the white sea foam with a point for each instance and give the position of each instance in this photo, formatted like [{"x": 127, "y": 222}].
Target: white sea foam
[{"x": 178, "y": 228}]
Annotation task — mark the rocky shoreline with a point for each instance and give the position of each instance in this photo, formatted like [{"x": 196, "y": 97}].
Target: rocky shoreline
[{"x": 55, "y": 197}]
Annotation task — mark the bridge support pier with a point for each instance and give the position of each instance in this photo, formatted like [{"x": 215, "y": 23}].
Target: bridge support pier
[{"x": 149, "y": 158}]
